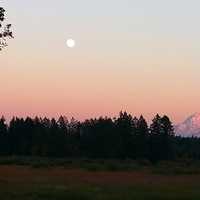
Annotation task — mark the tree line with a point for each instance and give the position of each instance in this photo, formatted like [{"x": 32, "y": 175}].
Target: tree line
[{"x": 119, "y": 138}]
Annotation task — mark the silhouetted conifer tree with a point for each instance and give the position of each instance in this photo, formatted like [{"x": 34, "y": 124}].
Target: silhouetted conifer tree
[
  {"x": 124, "y": 128},
  {"x": 3, "y": 137},
  {"x": 161, "y": 133},
  {"x": 142, "y": 138}
]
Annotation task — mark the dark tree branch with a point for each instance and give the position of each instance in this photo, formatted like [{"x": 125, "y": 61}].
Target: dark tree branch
[{"x": 5, "y": 31}]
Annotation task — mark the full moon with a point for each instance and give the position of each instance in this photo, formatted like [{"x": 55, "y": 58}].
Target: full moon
[{"x": 71, "y": 43}]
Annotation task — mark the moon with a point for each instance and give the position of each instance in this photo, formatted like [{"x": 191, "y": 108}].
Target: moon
[{"x": 71, "y": 43}]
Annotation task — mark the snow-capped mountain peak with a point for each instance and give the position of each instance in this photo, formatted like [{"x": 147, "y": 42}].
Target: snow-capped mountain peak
[{"x": 190, "y": 127}]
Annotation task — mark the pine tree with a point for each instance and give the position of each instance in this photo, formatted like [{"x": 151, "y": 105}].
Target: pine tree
[
  {"x": 167, "y": 137},
  {"x": 143, "y": 136},
  {"x": 161, "y": 137},
  {"x": 3, "y": 137},
  {"x": 155, "y": 139},
  {"x": 124, "y": 127}
]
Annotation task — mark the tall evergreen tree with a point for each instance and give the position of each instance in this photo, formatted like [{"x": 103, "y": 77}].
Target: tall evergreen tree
[
  {"x": 3, "y": 137},
  {"x": 155, "y": 139},
  {"x": 124, "y": 128},
  {"x": 167, "y": 138},
  {"x": 142, "y": 138},
  {"x": 161, "y": 135}
]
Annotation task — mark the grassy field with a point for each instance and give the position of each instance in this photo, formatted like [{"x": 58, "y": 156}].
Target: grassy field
[{"x": 102, "y": 180}]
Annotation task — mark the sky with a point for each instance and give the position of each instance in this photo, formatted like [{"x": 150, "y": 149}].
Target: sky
[{"x": 136, "y": 55}]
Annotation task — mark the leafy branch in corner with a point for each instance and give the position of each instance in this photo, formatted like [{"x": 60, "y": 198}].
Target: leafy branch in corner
[{"x": 5, "y": 31}]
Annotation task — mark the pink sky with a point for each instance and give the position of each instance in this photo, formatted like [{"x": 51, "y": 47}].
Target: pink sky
[{"x": 132, "y": 58}]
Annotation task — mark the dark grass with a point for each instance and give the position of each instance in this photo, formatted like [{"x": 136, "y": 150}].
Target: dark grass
[
  {"x": 86, "y": 164},
  {"x": 178, "y": 167},
  {"x": 57, "y": 190},
  {"x": 60, "y": 192}
]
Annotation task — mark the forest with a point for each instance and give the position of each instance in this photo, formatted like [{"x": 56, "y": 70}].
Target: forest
[{"x": 107, "y": 138}]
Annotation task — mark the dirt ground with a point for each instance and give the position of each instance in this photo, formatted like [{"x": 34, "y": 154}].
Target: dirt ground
[{"x": 19, "y": 174}]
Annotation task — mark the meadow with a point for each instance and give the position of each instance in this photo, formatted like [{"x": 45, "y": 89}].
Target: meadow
[{"x": 41, "y": 179}]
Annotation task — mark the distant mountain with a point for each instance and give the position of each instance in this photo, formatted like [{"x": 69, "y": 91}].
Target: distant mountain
[{"x": 190, "y": 127}]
